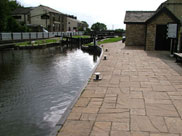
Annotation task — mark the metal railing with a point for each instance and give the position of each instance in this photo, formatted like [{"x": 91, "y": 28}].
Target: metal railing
[{"x": 34, "y": 35}]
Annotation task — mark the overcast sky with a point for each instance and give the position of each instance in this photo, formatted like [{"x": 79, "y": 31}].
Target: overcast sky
[{"x": 109, "y": 12}]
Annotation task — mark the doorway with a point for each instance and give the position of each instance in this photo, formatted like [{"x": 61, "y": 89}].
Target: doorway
[{"x": 162, "y": 42}]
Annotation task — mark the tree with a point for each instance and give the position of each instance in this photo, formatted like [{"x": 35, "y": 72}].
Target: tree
[
  {"x": 119, "y": 32},
  {"x": 4, "y": 13},
  {"x": 7, "y": 22},
  {"x": 85, "y": 24},
  {"x": 98, "y": 27}
]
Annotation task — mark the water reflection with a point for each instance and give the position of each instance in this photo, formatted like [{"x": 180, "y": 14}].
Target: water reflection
[{"x": 36, "y": 86}]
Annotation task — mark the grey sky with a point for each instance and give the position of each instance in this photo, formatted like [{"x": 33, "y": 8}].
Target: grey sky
[{"x": 110, "y": 12}]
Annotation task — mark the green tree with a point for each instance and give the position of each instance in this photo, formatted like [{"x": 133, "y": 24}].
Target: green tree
[
  {"x": 98, "y": 27},
  {"x": 7, "y": 22},
  {"x": 85, "y": 24},
  {"x": 4, "y": 13},
  {"x": 13, "y": 5}
]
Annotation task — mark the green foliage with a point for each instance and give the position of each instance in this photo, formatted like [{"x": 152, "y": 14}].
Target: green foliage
[
  {"x": 85, "y": 24},
  {"x": 83, "y": 36},
  {"x": 13, "y": 5},
  {"x": 98, "y": 27},
  {"x": 109, "y": 40},
  {"x": 87, "y": 32},
  {"x": 4, "y": 12},
  {"x": 7, "y": 22},
  {"x": 38, "y": 42},
  {"x": 14, "y": 26},
  {"x": 120, "y": 30}
]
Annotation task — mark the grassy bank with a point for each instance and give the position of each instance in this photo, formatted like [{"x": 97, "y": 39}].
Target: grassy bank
[
  {"x": 45, "y": 41},
  {"x": 108, "y": 40},
  {"x": 38, "y": 42},
  {"x": 83, "y": 36}
]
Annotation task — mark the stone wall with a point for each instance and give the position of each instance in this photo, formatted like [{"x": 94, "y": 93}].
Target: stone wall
[
  {"x": 161, "y": 19},
  {"x": 135, "y": 34}
]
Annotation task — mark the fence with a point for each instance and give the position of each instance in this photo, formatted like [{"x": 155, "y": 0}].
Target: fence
[{"x": 34, "y": 35}]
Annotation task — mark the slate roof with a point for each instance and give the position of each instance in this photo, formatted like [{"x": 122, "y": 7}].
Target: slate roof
[
  {"x": 22, "y": 10},
  {"x": 138, "y": 16},
  {"x": 50, "y": 9}
]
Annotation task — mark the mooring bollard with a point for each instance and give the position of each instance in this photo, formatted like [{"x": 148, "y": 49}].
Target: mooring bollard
[
  {"x": 105, "y": 57},
  {"x": 97, "y": 76},
  {"x": 106, "y": 50}
]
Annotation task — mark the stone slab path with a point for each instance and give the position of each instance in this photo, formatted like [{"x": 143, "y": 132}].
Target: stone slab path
[{"x": 139, "y": 95}]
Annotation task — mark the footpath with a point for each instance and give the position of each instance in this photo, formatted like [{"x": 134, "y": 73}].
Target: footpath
[{"x": 139, "y": 95}]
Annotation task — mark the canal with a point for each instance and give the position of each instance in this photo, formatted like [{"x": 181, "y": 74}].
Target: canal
[{"x": 36, "y": 87}]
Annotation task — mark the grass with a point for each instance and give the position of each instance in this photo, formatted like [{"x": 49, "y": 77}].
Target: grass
[
  {"x": 38, "y": 42},
  {"x": 83, "y": 36},
  {"x": 109, "y": 40}
]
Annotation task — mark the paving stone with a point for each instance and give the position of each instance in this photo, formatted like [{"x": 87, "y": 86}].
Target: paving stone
[
  {"x": 110, "y": 99},
  {"x": 129, "y": 84},
  {"x": 142, "y": 123},
  {"x": 89, "y": 117},
  {"x": 74, "y": 116},
  {"x": 174, "y": 124},
  {"x": 113, "y": 91},
  {"x": 163, "y": 88},
  {"x": 161, "y": 110},
  {"x": 139, "y": 78},
  {"x": 137, "y": 112},
  {"x": 91, "y": 94},
  {"x": 163, "y": 134},
  {"x": 124, "y": 78},
  {"x": 123, "y": 102},
  {"x": 136, "y": 95},
  {"x": 76, "y": 128},
  {"x": 139, "y": 134},
  {"x": 120, "y": 133},
  {"x": 178, "y": 105},
  {"x": 104, "y": 110},
  {"x": 118, "y": 117},
  {"x": 145, "y": 89},
  {"x": 82, "y": 102},
  {"x": 118, "y": 126},
  {"x": 156, "y": 95},
  {"x": 85, "y": 110}
]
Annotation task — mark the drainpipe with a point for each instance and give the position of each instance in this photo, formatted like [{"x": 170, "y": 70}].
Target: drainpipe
[{"x": 179, "y": 48}]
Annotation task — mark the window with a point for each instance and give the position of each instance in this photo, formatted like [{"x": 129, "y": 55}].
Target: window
[
  {"x": 17, "y": 17},
  {"x": 44, "y": 16}
]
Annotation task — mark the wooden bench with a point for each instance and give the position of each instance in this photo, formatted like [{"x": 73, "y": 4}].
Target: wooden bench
[{"x": 178, "y": 57}]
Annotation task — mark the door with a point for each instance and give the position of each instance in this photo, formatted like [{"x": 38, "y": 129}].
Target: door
[{"x": 162, "y": 42}]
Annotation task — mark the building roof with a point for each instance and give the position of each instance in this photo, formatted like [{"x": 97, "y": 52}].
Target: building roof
[
  {"x": 167, "y": 11},
  {"x": 50, "y": 9},
  {"x": 138, "y": 16},
  {"x": 22, "y": 10}
]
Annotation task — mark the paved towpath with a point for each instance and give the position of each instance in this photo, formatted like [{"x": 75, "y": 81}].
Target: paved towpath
[{"x": 139, "y": 95}]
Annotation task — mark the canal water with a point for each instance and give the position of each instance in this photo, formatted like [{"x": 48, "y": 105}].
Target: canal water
[{"x": 36, "y": 87}]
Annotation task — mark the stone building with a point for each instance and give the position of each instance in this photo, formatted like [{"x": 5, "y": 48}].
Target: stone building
[
  {"x": 73, "y": 24},
  {"x": 22, "y": 15},
  {"x": 149, "y": 28},
  {"x": 48, "y": 18}
]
